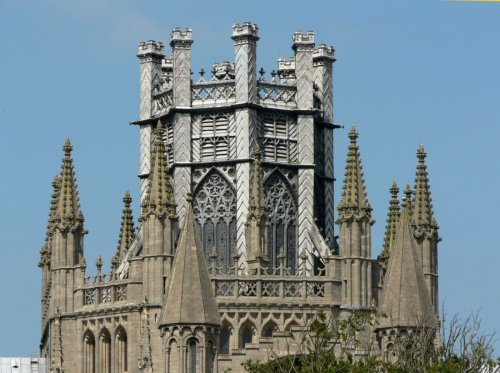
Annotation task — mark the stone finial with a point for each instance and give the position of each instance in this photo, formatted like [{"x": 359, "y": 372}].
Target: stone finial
[
  {"x": 115, "y": 262},
  {"x": 98, "y": 264},
  {"x": 303, "y": 40},
  {"x": 422, "y": 214},
  {"x": 392, "y": 221},
  {"x": 127, "y": 230},
  {"x": 149, "y": 50},
  {"x": 181, "y": 38},
  {"x": 408, "y": 192},
  {"x": 159, "y": 198},
  {"x": 245, "y": 31},
  {"x": 354, "y": 202},
  {"x": 67, "y": 213}
]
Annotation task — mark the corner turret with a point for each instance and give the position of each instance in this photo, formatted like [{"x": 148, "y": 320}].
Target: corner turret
[
  {"x": 159, "y": 223},
  {"x": 425, "y": 227},
  {"x": 355, "y": 223}
]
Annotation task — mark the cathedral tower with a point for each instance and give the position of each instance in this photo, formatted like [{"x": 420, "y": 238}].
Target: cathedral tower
[{"x": 234, "y": 249}]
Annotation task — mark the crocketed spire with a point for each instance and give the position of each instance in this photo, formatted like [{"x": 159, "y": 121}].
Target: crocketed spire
[
  {"x": 45, "y": 251},
  {"x": 257, "y": 206},
  {"x": 405, "y": 299},
  {"x": 392, "y": 222},
  {"x": 354, "y": 202},
  {"x": 127, "y": 232},
  {"x": 67, "y": 208},
  {"x": 190, "y": 299},
  {"x": 159, "y": 199},
  {"x": 422, "y": 215}
]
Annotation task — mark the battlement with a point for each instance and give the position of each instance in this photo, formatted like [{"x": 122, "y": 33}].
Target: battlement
[
  {"x": 151, "y": 47},
  {"x": 245, "y": 30},
  {"x": 286, "y": 64},
  {"x": 180, "y": 36},
  {"x": 167, "y": 64},
  {"x": 303, "y": 39},
  {"x": 324, "y": 52}
]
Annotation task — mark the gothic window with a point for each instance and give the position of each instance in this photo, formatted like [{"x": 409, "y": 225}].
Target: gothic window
[
  {"x": 246, "y": 335},
  {"x": 213, "y": 138},
  {"x": 269, "y": 329},
  {"x": 279, "y": 138},
  {"x": 173, "y": 357},
  {"x": 215, "y": 210},
  {"x": 89, "y": 353},
  {"x": 104, "y": 352},
  {"x": 121, "y": 350},
  {"x": 209, "y": 357},
  {"x": 191, "y": 357},
  {"x": 282, "y": 212},
  {"x": 224, "y": 340}
]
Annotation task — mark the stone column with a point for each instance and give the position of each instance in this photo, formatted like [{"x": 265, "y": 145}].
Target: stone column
[
  {"x": 303, "y": 45},
  {"x": 245, "y": 39},
  {"x": 323, "y": 58},
  {"x": 150, "y": 56},
  {"x": 181, "y": 41}
]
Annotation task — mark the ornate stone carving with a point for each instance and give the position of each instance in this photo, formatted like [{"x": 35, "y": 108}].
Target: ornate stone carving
[{"x": 214, "y": 207}]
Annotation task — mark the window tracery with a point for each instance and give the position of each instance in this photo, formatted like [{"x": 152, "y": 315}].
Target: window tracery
[
  {"x": 282, "y": 213},
  {"x": 214, "y": 206}
]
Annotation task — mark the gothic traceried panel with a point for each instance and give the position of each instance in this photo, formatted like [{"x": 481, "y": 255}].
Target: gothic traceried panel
[
  {"x": 282, "y": 212},
  {"x": 214, "y": 206}
]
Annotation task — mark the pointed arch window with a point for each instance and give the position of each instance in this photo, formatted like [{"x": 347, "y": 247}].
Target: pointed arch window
[
  {"x": 269, "y": 329},
  {"x": 214, "y": 206},
  {"x": 224, "y": 340},
  {"x": 173, "y": 357},
  {"x": 104, "y": 356},
  {"x": 89, "y": 353},
  {"x": 121, "y": 350},
  {"x": 192, "y": 357},
  {"x": 282, "y": 213},
  {"x": 246, "y": 334}
]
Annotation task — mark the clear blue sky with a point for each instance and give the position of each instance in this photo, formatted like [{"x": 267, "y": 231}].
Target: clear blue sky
[{"x": 408, "y": 72}]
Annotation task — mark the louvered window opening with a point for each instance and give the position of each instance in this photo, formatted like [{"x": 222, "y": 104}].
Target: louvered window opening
[
  {"x": 279, "y": 138},
  {"x": 282, "y": 212},
  {"x": 215, "y": 211},
  {"x": 215, "y": 140},
  {"x": 168, "y": 138}
]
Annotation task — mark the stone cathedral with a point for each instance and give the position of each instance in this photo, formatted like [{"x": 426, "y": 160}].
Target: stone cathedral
[{"x": 235, "y": 246}]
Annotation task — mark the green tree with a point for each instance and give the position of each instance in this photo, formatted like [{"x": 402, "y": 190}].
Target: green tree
[{"x": 349, "y": 345}]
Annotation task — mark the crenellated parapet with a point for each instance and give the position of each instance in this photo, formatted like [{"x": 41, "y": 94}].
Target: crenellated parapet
[{"x": 151, "y": 51}]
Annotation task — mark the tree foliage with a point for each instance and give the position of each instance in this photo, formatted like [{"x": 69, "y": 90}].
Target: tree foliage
[{"x": 350, "y": 345}]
